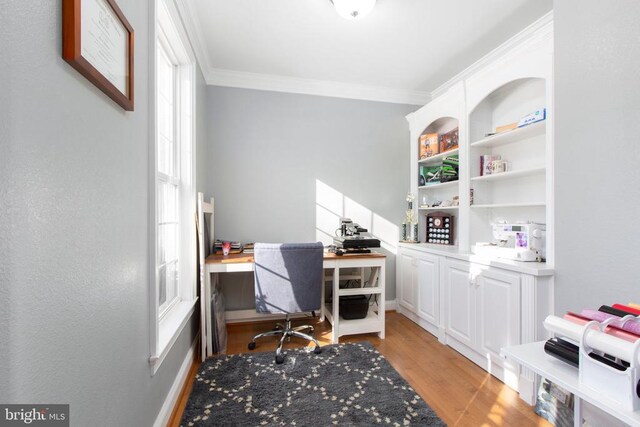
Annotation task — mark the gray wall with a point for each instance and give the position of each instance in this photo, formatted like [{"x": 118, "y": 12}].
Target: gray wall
[
  {"x": 202, "y": 140},
  {"x": 74, "y": 276},
  {"x": 267, "y": 150},
  {"x": 597, "y": 101}
]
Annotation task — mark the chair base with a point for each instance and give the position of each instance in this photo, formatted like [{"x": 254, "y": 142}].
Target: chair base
[{"x": 287, "y": 331}]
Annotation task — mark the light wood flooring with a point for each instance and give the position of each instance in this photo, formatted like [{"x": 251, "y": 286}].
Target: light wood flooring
[{"x": 460, "y": 392}]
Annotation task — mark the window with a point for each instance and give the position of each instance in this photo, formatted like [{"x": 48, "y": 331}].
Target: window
[
  {"x": 173, "y": 293},
  {"x": 168, "y": 185}
]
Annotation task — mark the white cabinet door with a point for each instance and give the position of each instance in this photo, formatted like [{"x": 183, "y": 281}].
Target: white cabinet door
[
  {"x": 408, "y": 276},
  {"x": 498, "y": 302},
  {"x": 460, "y": 305},
  {"x": 428, "y": 288}
]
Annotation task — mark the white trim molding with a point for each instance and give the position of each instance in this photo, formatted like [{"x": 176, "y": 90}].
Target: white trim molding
[
  {"x": 245, "y": 80},
  {"x": 277, "y": 83},
  {"x": 176, "y": 388},
  {"x": 240, "y": 79},
  {"x": 194, "y": 33}
]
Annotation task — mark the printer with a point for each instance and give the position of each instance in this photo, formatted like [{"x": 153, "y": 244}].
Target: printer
[{"x": 353, "y": 238}]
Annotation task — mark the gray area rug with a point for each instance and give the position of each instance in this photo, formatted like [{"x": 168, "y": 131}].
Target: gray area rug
[{"x": 347, "y": 384}]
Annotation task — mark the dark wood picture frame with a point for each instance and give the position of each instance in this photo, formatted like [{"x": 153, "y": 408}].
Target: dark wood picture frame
[{"x": 72, "y": 51}]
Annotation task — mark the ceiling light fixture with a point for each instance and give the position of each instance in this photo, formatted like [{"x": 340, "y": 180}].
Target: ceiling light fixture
[{"x": 353, "y": 9}]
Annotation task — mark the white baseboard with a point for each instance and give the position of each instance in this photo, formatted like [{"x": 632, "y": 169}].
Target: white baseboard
[
  {"x": 244, "y": 316},
  {"x": 174, "y": 392}
]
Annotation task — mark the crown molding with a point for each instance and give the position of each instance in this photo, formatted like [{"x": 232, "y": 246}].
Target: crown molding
[
  {"x": 241, "y": 79},
  {"x": 246, "y": 80},
  {"x": 194, "y": 32},
  {"x": 540, "y": 28}
]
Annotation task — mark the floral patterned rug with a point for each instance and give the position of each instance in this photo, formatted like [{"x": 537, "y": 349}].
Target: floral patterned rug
[{"x": 346, "y": 384}]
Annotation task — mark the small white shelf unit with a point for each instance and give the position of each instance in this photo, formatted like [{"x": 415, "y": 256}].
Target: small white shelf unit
[
  {"x": 532, "y": 356},
  {"x": 373, "y": 286}
]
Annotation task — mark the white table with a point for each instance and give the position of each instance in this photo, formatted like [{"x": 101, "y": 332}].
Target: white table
[
  {"x": 374, "y": 322},
  {"x": 533, "y": 356}
]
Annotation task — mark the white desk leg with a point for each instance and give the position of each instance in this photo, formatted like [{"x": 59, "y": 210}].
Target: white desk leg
[
  {"x": 336, "y": 300},
  {"x": 577, "y": 412},
  {"x": 208, "y": 311},
  {"x": 203, "y": 324},
  {"x": 322, "y": 298},
  {"x": 381, "y": 303}
]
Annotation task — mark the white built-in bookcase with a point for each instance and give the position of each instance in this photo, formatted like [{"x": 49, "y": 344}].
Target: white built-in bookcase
[{"x": 514, "y": 80}]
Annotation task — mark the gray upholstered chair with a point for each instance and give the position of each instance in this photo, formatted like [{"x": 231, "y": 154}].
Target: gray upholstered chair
[{"x": 288, "y": 279}]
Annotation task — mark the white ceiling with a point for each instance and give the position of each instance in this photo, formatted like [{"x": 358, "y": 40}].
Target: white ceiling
[{"x": 399, "y": 53}]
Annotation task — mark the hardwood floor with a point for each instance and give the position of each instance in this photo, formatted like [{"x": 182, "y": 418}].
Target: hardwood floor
[{"x": 460, "y": 392}]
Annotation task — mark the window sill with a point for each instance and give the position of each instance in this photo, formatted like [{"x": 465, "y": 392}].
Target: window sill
[{"x": 169, "y": 329}]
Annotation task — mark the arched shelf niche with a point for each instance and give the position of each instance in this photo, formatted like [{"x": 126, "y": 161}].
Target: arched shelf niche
[{"x": 519, "y": 195}]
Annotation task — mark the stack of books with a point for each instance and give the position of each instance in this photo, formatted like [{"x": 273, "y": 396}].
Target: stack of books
[
  {"x": 248, "y": 248},
  {"x": 485, "y": 163},
  {"x": 236, "y": 247},
  {"x": 450, "y": 167}
]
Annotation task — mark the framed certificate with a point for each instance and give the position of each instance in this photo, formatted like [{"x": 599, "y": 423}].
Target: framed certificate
[{"x": 97, "y": 40}]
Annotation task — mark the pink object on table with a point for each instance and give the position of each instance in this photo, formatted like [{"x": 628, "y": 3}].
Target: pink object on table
[
  {"x": 226, "y": 248},
  {"x": 631, "y": 326},
  {"x": 610, "y": 330}
]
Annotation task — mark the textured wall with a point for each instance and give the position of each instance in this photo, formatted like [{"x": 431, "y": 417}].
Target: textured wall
[
  {"x": 284, "y": 166},
  {"x": 597, "y": 93},
  {"x": 74, "y": 226}
]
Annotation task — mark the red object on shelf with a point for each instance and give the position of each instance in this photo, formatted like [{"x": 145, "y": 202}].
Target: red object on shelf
[{"x": 627, "y": 309}]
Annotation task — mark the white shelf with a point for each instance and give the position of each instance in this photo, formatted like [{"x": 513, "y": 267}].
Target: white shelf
[
  {"x": 510, "y": 175},
  {"x": 368, "y": 324},
  {"x": 511, "y": 136},
  {"x": 359, "y": 291},
  {"x": 439, "y": 185},
  {"x": 438, "y": 208},
  {"x": 438, "y": 157},
  {"x": 509, "y": 205},
  {"x": 533, "y": 356}
]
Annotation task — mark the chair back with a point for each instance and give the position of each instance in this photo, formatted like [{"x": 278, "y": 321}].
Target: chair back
[{"x": 288, "y": 277}]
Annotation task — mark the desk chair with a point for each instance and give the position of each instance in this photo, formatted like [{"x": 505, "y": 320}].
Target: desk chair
[{"x": 288, "y": 279}]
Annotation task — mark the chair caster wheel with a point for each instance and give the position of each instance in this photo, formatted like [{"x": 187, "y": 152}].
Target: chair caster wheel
[
  {"x": 317, "y": 350},
  {"x": 251, "y": 345},
  {"x": 279, "y": 359}
]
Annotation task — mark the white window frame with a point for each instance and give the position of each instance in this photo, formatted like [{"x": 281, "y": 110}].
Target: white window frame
[{"x": 165, "y": 327}]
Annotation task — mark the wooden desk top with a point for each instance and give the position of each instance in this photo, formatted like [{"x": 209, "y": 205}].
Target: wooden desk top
[{"x": 248, "y": 258}]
